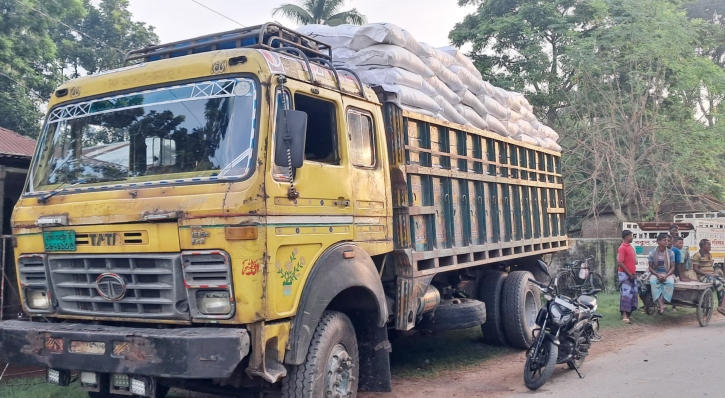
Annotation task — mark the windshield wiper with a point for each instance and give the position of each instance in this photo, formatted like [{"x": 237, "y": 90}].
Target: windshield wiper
[{"x": 64, "y": 186}]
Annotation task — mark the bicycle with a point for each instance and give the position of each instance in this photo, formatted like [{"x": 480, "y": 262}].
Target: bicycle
[{"x": 576, "y": 277}]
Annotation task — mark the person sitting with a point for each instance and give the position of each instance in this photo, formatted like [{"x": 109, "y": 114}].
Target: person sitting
[
  {"x": 685, "y": 267},
  {"x": 661, "y": 266},
  {"x": 702, "y": 264}
]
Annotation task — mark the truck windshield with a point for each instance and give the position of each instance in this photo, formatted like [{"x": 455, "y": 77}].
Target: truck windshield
[{"x": 192, "y": 132}]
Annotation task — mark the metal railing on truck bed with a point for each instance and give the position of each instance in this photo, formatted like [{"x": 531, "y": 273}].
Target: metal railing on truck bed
[{"x": 464, "y": 197}]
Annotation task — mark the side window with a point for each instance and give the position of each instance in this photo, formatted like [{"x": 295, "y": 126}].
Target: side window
[
  {"x": 321, "y": 144},
  {"x": 362, "y": 139}
]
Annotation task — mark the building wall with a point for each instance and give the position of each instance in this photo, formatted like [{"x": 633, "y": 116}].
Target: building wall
[
  {"x": 604, "y": 226},
  {"x": 604, "y": 252}
]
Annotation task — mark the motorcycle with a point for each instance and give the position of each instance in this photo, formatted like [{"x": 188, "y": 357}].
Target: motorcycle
[{"x": 566, "y": 328}]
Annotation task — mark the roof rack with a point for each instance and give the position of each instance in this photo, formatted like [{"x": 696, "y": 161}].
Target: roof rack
[{"x": 269, "y": 36}]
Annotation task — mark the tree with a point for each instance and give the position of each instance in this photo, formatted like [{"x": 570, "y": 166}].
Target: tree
[
  {"x": 110, "y": 32},
  {"x": 29, "y": 66},
  {"x": 325, "y": 12},
  {"x": 520, "y": 44},
  {"x": 621, "y": 81}
]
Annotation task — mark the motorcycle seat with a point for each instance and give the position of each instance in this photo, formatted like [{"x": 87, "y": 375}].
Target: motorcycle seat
[{"x": 588, "y": 301}]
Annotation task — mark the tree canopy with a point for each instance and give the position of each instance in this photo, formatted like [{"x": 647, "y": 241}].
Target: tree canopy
[
  {"x": 43, "y": 42},
  {"x": 634, "y": 88},
  {"x": 326, "y": 12}
]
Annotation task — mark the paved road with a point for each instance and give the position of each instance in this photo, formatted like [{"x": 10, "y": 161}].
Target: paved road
[{"x": 685, "y": 361}]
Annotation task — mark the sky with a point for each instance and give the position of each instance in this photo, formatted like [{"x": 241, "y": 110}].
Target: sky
[{"x": 428, "y": 21}]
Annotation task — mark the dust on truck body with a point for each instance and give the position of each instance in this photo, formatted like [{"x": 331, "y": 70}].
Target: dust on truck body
[{"x": 160, "y": 241}]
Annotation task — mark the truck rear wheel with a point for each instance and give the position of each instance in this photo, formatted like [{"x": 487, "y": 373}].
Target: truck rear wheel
[
  {"x": 332, "y": 365},
  {"x": 521, "y": 304},
  {"x": 455, "y": 314},
  {"x": 490, "y": 293}
]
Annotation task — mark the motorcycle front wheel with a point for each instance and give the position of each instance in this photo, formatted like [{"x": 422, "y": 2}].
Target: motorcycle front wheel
[{"x": 540, "y": 364}]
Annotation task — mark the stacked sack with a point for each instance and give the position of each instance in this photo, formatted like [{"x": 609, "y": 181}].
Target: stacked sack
[{"x": 438, "y": 82}]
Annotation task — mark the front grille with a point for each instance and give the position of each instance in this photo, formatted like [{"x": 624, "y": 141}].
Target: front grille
[
  {"x": 153, "y": 285},
  {"x": 31, "y": 269}
]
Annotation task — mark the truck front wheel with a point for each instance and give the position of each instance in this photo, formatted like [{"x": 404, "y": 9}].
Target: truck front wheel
[{"x": 332, "y": 365}]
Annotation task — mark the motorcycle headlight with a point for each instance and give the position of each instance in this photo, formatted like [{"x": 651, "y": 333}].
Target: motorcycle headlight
[
  {"x": 565, "y": 319},
  {"x": 556, "y": 315}
]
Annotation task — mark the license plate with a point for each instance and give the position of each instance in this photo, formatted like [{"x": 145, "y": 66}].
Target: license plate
[
  {"x": 87, "y": 347},
  {"x": 56, "y": 241}
]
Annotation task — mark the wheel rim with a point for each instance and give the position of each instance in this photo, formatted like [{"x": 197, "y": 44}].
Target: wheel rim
[
  {"x": 339, "y": 378},
  {"x": 704, "y": 308},
  {"x": 579, "y": 359},
  {"x": 530, "y": 309}
]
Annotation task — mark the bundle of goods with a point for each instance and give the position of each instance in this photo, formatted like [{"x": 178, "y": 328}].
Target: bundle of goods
[{"x": 439, "y": 82}]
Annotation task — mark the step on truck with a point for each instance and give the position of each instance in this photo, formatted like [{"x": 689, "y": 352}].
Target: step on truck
[{"x": 234, "y": 214}]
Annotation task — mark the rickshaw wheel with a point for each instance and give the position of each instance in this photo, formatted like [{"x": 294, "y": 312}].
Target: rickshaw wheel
[{"x": 704, "y": 307}]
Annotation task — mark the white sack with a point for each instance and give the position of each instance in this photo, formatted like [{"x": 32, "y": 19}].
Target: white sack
[
  {"x": 496, "y": 126},
  {"x": 386, "y": 33},
  {"x": 514, "y": 116},
  {"x": 512, "y": 128},
  {"x": 494, "y": 108},
  {"x": 341, "y": 55},
  {"x": 463, "y": 60},
  {"x": 417, "y": 110},
  {"x": 335, "y": 36},
  {"x": 384, "y": 55},
  {"x": 446, "y": 59},
  {"x": 471, "y": 101},
  {"x": 412, "y": 97},
  {"x": 397, "y": 76},
  {"x": 549, "y": 132},
  {"x": 525, "y": 127},
  {"x": 443, "y": 73},
  {"x": 501, "y": 96},
  {"x": 472, "y": 116},
  {"x": 444, "y": 91},
  {"x": 551, "y": 144},
  {"x": 527, "y": 139},
  {"x": 473, "y": 83},
  {"x": 449, "y": 112},
  {"x": 527, "y": 115}
]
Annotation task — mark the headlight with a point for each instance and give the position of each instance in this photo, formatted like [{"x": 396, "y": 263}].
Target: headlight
[
  {"x": 37, "y": 299},
  {"x": 556, "y": 315},
  {"x": 213, "y": 302}
]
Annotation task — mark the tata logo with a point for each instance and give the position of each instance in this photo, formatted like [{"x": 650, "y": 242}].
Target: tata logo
[
  {"x": 75, "y": 92},
  {"x": 219, "y": 67},
  {"x": 111, "y": 286}
]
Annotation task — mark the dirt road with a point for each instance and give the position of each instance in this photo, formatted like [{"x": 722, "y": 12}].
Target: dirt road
[{"x": 634, "y": 361}]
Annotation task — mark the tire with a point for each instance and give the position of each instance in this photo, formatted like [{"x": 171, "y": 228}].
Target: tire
[
  {"x": 704, "y": 308},
  {"x": 595, "y": 281},
  {"x": 566, "y": 284},
  {"x": 332, "y": 357},
  {"x": 455, "y": 314},
  {"x": 521, "y": 304},
  {"x": 490, "y": 293},
  {"x": 535, "y": 378}
]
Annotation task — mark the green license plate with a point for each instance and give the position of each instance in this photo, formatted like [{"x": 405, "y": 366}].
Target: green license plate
[{"x": 60, "y": 241}]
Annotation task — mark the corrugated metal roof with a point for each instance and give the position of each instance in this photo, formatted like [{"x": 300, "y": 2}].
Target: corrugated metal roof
[{"x": 12, "y": 143}]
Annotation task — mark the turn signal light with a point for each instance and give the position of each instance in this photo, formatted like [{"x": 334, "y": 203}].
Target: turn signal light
[{"x": 241, "y": 233}]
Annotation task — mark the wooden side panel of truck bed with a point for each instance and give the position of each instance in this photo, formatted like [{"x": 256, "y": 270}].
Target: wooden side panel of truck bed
[{"x": 464, "y": 197}]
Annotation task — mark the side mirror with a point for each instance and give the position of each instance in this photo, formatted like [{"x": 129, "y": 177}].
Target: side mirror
[{"x": 290, "y": 133}]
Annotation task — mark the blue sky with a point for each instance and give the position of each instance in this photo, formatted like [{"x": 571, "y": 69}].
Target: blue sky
[{"x": 428, "y": 20}]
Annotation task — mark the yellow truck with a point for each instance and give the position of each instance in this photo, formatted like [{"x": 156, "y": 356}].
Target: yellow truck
[{"x": 234, "y": 214}]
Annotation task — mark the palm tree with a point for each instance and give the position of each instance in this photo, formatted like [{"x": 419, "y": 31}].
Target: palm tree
[{"x": 326, "y": 12}]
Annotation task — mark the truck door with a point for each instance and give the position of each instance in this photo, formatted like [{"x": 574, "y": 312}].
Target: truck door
[
  {"x": 322, "y": 213},
  {"x": 369, "y": 174}
]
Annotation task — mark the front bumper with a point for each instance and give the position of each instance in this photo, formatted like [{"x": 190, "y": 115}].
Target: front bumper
[{"x": 193, "y": 353}]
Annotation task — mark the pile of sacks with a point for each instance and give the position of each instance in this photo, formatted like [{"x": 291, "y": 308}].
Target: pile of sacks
[{"x": 439, "y": 82}]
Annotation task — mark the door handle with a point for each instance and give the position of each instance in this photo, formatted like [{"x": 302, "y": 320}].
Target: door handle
[{"x": 342, "y": 202}]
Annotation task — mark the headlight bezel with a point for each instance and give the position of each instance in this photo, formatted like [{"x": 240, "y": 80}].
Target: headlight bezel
[
  {"x": 30, "y": 297},
  {"x": 219, "y": 297}
]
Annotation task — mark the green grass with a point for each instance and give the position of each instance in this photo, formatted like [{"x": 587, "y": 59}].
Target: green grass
[
  {"x": 609, "y": 307},
  {"x": 38, "y": 388}
]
